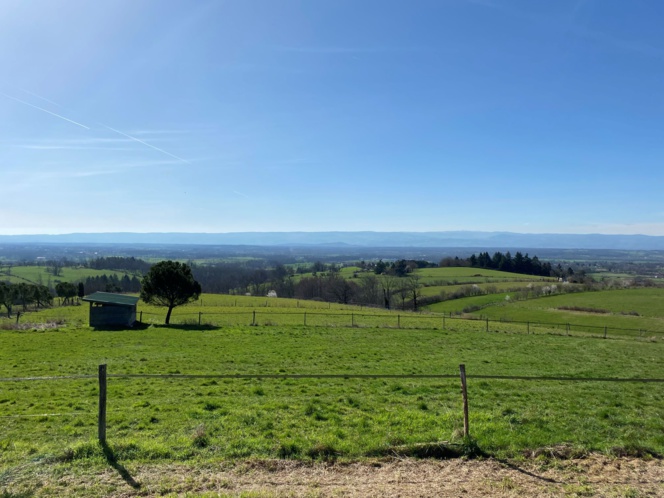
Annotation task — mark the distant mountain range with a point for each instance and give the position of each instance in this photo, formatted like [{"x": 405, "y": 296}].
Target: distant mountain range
[{"x": 468, "y": 239}]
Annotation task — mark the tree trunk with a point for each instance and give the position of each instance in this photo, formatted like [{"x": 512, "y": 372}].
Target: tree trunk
[{"x": 168, "y": 315}]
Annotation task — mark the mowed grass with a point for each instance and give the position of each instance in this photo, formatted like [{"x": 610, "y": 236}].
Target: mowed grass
[
  {"x": 648, "y": 303},
  {"x": 207, "y": 419}
]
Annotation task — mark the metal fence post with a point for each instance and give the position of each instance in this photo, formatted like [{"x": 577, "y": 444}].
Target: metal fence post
[
  {"x": 464, "y": 393},
  {"x": 101, "y": 433}
]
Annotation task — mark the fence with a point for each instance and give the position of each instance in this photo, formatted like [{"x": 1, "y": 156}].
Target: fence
[
  {"x": 407, "y": 320},
  {"x": 395, "y": 320},
  {"x": 103, "y": 376}
]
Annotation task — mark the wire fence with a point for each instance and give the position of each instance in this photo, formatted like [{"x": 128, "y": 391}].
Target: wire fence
[
  {"x": 124, "y": 407},
  {"x": 396, "y": 320},
  {"x": 267, "y": 316}
]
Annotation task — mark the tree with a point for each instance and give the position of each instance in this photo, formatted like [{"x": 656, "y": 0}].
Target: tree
[
  {"x": 66, "y": 290},
  {"x": 414, "y": 287},
  {"x": 170, "y": 284},
  {"x": 7, "y": 297},
  {"x": 388, "y": 284}
]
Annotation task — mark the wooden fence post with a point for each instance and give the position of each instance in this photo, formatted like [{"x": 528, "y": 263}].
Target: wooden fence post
[
  {"x": 199, "y": 318},
  {"x": 305, "y": 318},
  {"x": 253, "y": 320},
  {"x": 141, "y": 317},
  {"x": 352, "y": 319},
  {"x": 604, "y": 331},
  {"x": 464, "y": 393},
  {"x": 101, "y": 433},
  {"x": 487, "y": 324},
  {"x": 399, "y": 321},
  {"x": 443, "y": 320},
  {"x": 528, "y": 325}
]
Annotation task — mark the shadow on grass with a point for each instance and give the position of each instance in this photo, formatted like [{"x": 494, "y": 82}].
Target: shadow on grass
[
  {"x": 435, "y": 451},
  {"x": 121, "y": 328},
  {"x": 191, "y": 327},
  {"x": 113, "y": 462}
]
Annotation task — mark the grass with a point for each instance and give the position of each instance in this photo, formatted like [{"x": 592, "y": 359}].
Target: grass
[
  {"x": 473, "y": 275},
  {"x": 210, "y": 419},
  {"x": 39, "y": 274},
  {"x": 647, "y": 302}
]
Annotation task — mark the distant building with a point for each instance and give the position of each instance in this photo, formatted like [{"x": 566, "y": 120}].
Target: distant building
[
  {"x": 111, "y": 310},
  {"x": 272, "y": 293}
]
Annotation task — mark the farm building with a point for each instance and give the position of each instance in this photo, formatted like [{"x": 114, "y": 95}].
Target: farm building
[{"x": 111, "y": 310}]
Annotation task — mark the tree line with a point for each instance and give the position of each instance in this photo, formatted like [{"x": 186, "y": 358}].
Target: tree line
[
  {"x": 112, "y": 283},
  {"x": 36, "y": 295},
  {"x": 520, "y": 263}
]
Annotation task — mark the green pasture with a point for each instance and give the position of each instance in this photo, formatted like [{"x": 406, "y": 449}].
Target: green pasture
[
  {"x": 216, "y": 310},
  {"x": 207, "y": 419},
  {"x": 457, "y": 305},
  {"x": 435, "y": 290},
  {"x": 620, "y": 304},
  {"x": 453, "y": 275},
  {"x": 39, "y": 274}
]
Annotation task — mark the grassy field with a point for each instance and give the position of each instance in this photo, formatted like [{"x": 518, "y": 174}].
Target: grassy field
[
  {"x": 628, "y": 308},
  {"x": 48, "y": 427},
  {"x": 206, "y": 419},
  {"x": 473, "y": 275},
  {"x": 39, "y": 274}
]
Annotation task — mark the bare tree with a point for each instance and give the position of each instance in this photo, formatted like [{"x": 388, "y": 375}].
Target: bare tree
[
  {"x": 370, "y": 289},
  {"x": 388, "y": 284},
  {"x": 414, "y": 287}
]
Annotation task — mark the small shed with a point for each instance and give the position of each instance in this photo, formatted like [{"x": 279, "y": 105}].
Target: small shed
[{"x": 111, "y": 310}]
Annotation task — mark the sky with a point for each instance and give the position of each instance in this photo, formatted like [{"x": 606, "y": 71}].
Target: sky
[{"x": 319, "y": 115}]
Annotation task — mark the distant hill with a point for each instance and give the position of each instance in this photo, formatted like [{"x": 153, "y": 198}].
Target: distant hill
[{"x": 467, "y": 239}]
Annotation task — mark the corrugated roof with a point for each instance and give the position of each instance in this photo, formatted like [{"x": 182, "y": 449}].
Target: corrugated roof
[{"x": 111, "y": 298}]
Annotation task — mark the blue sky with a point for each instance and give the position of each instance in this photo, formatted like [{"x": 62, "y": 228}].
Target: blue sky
[{"x": 317, "y": 115}]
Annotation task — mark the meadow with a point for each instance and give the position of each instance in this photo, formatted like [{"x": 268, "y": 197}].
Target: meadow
[
  {"x": 625, "y": 308},
  {"x": 40, "y": 274},
  {"x": 219, "y": 418}
]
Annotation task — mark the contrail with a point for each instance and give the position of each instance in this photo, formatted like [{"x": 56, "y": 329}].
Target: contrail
[
  {"x": 44, "y": 110},
  {"x": 42, "y": 98},
  {"x": 145, "y": 143},
  {"x": 87, "y": 128}
]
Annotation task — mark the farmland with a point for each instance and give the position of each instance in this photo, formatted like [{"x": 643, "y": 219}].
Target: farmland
[
  {"x": 163, "y": 415},
  {"x": 40, "y": 274},
  {"x": 356, "y": 418}
]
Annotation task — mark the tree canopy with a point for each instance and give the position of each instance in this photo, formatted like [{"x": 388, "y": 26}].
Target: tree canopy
[{"x": 170, "y": 284}]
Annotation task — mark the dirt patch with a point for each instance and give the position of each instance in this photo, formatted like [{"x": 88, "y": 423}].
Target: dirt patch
[{"x": 590, "y": 476}]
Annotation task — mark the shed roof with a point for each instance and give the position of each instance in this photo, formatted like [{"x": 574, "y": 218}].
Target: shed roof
[{"x": 111, "y": 298}]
